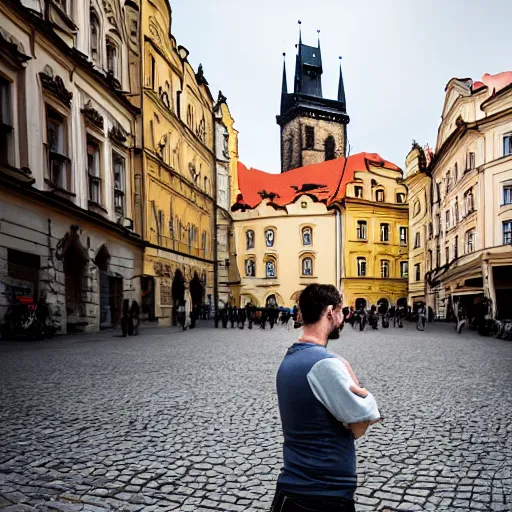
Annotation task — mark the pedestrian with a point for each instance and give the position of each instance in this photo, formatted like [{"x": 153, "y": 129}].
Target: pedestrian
[
  {"x": 126, "y": 320},
  {"x": 323, "y": 410},
  {"x": 135, "y": 314},
  {"x": 421, "y": 317}
]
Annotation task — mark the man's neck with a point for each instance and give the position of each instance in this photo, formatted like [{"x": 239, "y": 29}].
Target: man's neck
[{"x": 313, "y": 335}]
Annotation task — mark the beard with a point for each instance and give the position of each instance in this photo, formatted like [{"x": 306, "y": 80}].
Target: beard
[{"x": 334, "y": 334}]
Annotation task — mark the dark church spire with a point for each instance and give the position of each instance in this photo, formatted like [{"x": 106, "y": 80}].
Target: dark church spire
[
  {"x": 341, "y": 89},
  {"x": 308, "y": 69},
  {"x": 284, "y": 89}
]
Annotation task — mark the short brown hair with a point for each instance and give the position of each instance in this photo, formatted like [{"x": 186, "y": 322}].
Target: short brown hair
[{"x": 315, "y": 298}]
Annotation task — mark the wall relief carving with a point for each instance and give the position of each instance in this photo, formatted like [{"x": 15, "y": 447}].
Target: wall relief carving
[
  {"x": 92, "y": 116},
  {"x": 55, "y": 86}
]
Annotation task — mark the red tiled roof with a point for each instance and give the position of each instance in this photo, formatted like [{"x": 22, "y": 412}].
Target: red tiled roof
[
  {"x": 326, "y": 181},
  {"x": 494, "y": 82}
]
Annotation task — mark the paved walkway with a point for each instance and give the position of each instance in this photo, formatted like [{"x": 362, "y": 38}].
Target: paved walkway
[{"x": 188, "y": 421}]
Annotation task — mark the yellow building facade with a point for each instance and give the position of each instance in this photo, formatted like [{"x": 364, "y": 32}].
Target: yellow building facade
[
  {"x": 374, "y": 212},
  {"x": 177, "y": 175}
]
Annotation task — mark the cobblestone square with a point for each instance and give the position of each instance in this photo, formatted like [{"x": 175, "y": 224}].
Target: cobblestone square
[{"x": 188, "y": 420}]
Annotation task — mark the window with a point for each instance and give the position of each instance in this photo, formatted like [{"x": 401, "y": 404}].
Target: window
[
  {"x": 190, "y": 116},
  {"x": 456, "y": 248},
  {"x": 269, "y": 237},
  {"x": 6, "y": 128},
  {"x": 307, "y": 236},
  {"x": 507, "y": 194},
  {"x": 58, "y": 168},
  {"x": 310, "y": 137},
  {"x": 455, "y": 172},
  {"x": 206, "y": 187},
  {"x": 456, "y": 210},
  {"x": 417, "y": 271},
  {"x": 416, "y": 208},
  {"x": 93, "y": 170},
  {"x": 307, "y": 267},
  {"x": 403, "y": 236},
  {"x": 270, "y": 268},
  {"x": 470, "y": 241},
  {"x": 379, "y": 196},
  {"x": 250, "y": 268},
  {"x": 361, "y": 266},
  {"x": 161, "y": 219},
  {"x": 447, "y": 219},
  {"x": 400, "y": 197},
  {"x": 448, "y": 181},
  {"x": 203, "y": 241},
  {"x": 330, "y": 148},
  {"x": 119, "y": 182},
  {"x": 358, "y": 192},
  {"x": 447, "y": 254},
  {"x": 153, "y": 73},
  {"x": 249, "y": 239},
  {"x": 430, "y": 230},
  {"x": 430, "y": 259},
  {"x": 438, "y": 191},
  {"x": 469, "y": 203},
  {"x": 471, "y": 161},
  {"x": 361, "y": 229},
  {"x": 94, "y": 34},
  {"x": 384, "y": 232},
  {"x": 112, "y": 59},
  {"x": 384, "y": 269},
  {"x": 438, "y": 224},
  {"x": 507, "y": 145},
  {"x": 438, "y": 256},
  {"x": 507, "y": 232},
  {"x": 404, "y": 269},
  {"x": 417, "y": 240}
]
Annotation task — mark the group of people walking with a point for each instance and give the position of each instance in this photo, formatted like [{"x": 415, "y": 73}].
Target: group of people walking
[
  {"x": 359, "y": 318},
  {"x": 233, "y": 316}
]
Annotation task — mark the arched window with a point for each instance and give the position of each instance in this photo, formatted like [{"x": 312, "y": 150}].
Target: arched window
[
  {"x": 330, "y": 148},
  {"x": 270, "y": 237},
  {"x": 361, "y": 266},
  {"x": 249, "y": 239},
  {"x": 416, "y": 208},
  {"x": 250, "y": 267},
  {"x": 384, "y": 269},
  {"x": 307, "y": 266},
  {"x": 270, "y": 268},
  {"x": 94, "y": 35},
  {"x": 455, "y": 172},
  {"x": 307, "y": 236},
  {"x": 112, "y": 59}
]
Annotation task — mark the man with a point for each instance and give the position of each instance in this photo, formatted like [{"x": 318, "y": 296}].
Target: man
[{"x": 323, "y": 410}]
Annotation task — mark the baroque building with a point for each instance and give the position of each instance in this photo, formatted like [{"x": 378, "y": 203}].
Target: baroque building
[
  {"x": 313, "y": 128},
  {"x": 469, "y": 235},
  {"x": 375, "y": 218},
  {"x": 226, "y": 154},
  {"x": 67, "y": 158},
  {"x": 178, "y": 169},
  {"x": 418, "y": 182},
  {"x": 302, "y": 227}
]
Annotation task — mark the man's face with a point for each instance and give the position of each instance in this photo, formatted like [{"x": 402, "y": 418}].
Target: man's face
[{"x": 336, "y": 320}]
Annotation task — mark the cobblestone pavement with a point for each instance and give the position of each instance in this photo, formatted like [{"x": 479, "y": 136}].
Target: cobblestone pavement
[{"x": 189, "y": 421}]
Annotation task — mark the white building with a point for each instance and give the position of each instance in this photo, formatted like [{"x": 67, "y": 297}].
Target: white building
[
  {"x": 67, "y": 142},
  {"x": 470, "y": 233}
]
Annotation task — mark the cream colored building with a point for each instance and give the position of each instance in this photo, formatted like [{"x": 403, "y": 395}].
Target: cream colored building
[
  {"x": 470, "y": 245},
  {"x": 67, "y": 144},
  {"x": 418, "y": 182},
  {"x": 226, "y": 154},
  {"x": 303, "y": 226}
]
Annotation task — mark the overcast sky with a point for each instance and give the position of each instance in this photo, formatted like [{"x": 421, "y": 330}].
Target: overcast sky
[{"x": 398, "y": 56}]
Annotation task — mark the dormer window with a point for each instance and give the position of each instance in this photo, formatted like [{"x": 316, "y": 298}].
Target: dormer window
[
  {"x": 358, "y": 192},
  {"x": 400, "y": 198},
  {"x": 379, "y": 196}
]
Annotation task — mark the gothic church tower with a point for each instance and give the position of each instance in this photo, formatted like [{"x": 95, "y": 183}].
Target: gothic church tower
[{"x": 313, "y": 128}]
